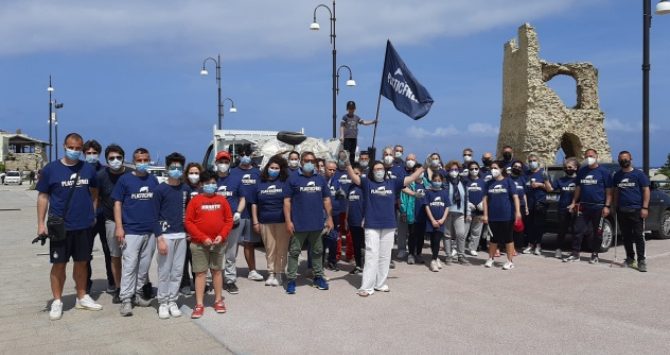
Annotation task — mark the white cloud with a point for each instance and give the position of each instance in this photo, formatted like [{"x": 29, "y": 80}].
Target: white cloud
[
  {"x": 440, "y": 132},
  {"x": 483, "y": 129},
  {"x": 249, "y": 29}
]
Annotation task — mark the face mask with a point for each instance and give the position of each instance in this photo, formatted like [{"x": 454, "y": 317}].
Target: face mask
[
  {"x": 72, "y": 154},
  {"x": 487, "y": 162},
  {"x": 245, "y": 160},
  {"x": 398, "y": 155},
  {"x": 115, "y": 164},
  {"x": 591, "y": 160},
  {"x": 388, "y": 160},
  {"x": 364, "y": 163},
  {"x": 341, "y": 165},
  {"x": 507, "y": 155},
  {"x": 92, "y": 158},
  {"x": 194, "y": 178},
  {"x": 516, "y": 171},
  {"x": 534, "y": 165},
  {"x": 322, "y": 171},
  {"x": 467, "y": 158},
  {"x": 435, "y": 163},
  {"x": 209, "y": 188},
  {"x": 222, "y": 168},
  {"x": 570, "y": 172},
  {"x": 142, "y": 167},
  {"x": 474, "y": 172},
  {"x": 624, "y": 163},
  {"x": 410, "y": 164},
  {"x": 273, "y": 173},
  {"x": 453, "y": 174},
  {"x": 379, "y": 175},
  {"x": 308, "y": 168},
  {"x": 437, "y": 184},
  {"x": 495, "y": 172},
  {"x": 293, "y": 163},
  {"x": 175, "y": 173}
]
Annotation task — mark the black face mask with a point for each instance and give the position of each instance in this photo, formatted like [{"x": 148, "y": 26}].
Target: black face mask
[
  {"x": 487, "y": 162},
  {"x": 516, "y": 171},
  {"x": 507, "y": 155},
  {"x": 569, "y": 171},
  {"x": 624, "y": 163}
]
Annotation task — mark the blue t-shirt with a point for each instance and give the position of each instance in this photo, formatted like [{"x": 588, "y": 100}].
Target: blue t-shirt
[
  {"x": 248, "y": 180},
  {"x": 379, "y": 202},
  {"x": 397, "y": 172},
  {"x": 338, "y": 204},
  {"x": 535, "y": 194},
  {"x": 476, "y": 189},
  {"x": 520, "y": 182},
  {"x": 500, "y": 199},
  {"x": 355, "y": 206},
  {"x": 419, "y": 211},
  {"x": 307, "y": 194},
  {"x": 170, "y": 203},
  {"x": 138, "y": 210},
  {"x": 343, "y": 179},
  {"x": 630, "y": 184},
  {"x": 230, "y": 187},
  {"x": 57, "y": 179},
  {"x": 592, "y": 184},
  {"x": 437, "y": 201},
  {"x": 566, "y": 186},
  {"x": 269, "y": 200}
]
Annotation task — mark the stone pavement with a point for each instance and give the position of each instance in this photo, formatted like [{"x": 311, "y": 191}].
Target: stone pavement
[{"x": 542, "y": 306}]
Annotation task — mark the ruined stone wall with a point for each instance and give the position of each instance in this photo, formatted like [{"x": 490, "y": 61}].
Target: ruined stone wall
[{"x": 534, "y": 119}]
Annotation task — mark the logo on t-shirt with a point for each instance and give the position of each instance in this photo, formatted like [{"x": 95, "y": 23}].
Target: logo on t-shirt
[
  {"x": 344, "y": 179},
  {"x": 625, "y": 182},
  {"x": 569, "y": 188},
  {"x": 271, "y": 190},
  {"x": 223, "y": 191},
  {"x": 310, "y": 187},
  {"x": 210, "y": 207},
  {"x": 353, "y": 196},
  {"x": 381, "y": 191},
  {"x": 437, "y": 202},
  {"x": 144, "y": 194},
  {"x": 589, "y": 180},
  {"x": 498, "y": 189},
  {"x": 474, "y": 187},
  {"x": 165, "y": 226},
  {"x": 248, "y": 180},
  {"x": 70, "y": 181}
]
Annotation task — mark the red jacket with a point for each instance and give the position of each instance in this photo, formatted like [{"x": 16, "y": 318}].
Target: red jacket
[{"x": 208, "y": 216}]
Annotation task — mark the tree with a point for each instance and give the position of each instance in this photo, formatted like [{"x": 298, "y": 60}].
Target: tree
[{"x": 665, "y": 169}]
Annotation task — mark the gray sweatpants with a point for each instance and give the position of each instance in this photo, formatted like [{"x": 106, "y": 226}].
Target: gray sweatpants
[
  {"x": 454, "y": 233},
  {"x": 170, "y": 270},
  {"x": 475, "y": 232},
  {"x": 136, "y": 260},
  {"x": 230, "y": 269}
]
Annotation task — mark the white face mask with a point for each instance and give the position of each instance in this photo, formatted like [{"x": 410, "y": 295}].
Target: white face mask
[
  {"x": 293, "y": 163},
  {"x": 591, "y": 160},
  {"x": 194, "y": 178},
  {"x": 379, "y": 175},
  {"x": 474, "y": 172},
  {"x": 222, "y": 168},
  {"x": 453, "y": 174},
  {"x": 467, "y": 158},
  {"x": 364, "y": 163},
  {"x": 115, "y": 164},
  {"x": 495, "y": 172},
  {"x": 388, "y": 160},
  {"x": 533, "y": 165},
  {"x": 435, "y": 163},
  {"x": 398, "y": 155},
  {"x": 410, "y": 164}
]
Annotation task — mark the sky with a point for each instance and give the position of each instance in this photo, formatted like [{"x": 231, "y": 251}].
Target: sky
[{"x": 128, "y": 71}]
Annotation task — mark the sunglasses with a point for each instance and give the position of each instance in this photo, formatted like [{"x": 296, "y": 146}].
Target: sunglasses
[{"x": 116, "y": 157}]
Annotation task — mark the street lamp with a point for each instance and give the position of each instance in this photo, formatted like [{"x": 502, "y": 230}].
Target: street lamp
[
  {"x": 50, "y": 89},
  {"x": 662, "y": 8},
  {"x": 350, "y": 82},
  {"x": 54, "y": 117},
  {"x": 204, "y": 72}
]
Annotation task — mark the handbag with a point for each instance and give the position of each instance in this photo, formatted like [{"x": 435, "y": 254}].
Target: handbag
[{"x": 56, "y": 224}]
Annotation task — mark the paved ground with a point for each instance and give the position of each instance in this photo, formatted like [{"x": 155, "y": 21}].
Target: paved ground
[{"x": 542, "y": 306}]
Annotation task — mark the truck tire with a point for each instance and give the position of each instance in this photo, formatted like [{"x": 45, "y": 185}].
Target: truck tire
[{"x": 664, "y": 228}]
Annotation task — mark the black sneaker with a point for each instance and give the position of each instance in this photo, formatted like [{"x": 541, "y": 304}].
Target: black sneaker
[
  {"x": 232, "y": 288},
  {"x": 332, "y": 266},
  {"x": 629, "y": 263},
  {"x": 116, "y": 299},
  {"x": 594, "y": 259},
  {"x": 571, "y": 258},
  {"x": 392, "y": 264},
  {"x": 642, "y": 266},
  {"x": 356, "y": 271},
  {"x": 462, "y": 260}
]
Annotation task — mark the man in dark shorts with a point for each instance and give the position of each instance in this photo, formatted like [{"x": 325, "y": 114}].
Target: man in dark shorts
[
  {"x": 349, "y": 130},
  {"x": 59, "y": 180}
]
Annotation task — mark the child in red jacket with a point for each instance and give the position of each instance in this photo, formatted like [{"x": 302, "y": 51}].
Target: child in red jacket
[{"x": 208, "y": 222}]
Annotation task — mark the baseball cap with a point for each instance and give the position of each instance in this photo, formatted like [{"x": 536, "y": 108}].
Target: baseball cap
[{"x": 222, "y": 155}]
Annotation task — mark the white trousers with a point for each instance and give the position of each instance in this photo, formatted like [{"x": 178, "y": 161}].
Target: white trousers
[{"x": 378, "y": 246}]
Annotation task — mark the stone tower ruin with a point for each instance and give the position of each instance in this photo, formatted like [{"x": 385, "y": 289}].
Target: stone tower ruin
[{"x": 534, "y": 118}]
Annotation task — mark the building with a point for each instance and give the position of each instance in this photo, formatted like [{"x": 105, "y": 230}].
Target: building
[{"x": 21, "y": 152}]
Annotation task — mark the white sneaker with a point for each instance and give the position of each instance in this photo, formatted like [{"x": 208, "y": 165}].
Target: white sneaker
[
  {"x": 558, "y": 254},
  {"x": 538, "y": 250},
  {"x": 489, "y": 263},
  {"x": 254, "y": 275},
  {"x": 433, "y": 266},
  {"x": 174, "y": 309},
  {"x": 454, "y": 253},
  {"x": 270, "y": 280},
  {"x": 473, "y": 253},
  {"x": 508, "y": 266},
  {"x": 527, "y": 250},
  {"x": 56, "y": 311},
  {"x": 87, "y": 302},
  {"x": 438, "y": 263},
  {"x": 163, "y": 311},
  {"x": 384, "y": 288}
]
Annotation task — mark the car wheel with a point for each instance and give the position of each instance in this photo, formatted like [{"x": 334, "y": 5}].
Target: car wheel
[
  {"x": 608, "y": 236},
  {"x": 664, "y": 231}
]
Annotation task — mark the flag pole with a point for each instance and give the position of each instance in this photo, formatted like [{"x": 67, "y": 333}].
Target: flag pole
[
  {"x": 379, "y": 99},
  {"x": 374, "y": 134}
]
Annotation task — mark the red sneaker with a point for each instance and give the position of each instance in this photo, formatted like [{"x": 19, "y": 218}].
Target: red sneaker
[
  {"x": 220, "y": 307},
  {"x": 198, "y": 311}
]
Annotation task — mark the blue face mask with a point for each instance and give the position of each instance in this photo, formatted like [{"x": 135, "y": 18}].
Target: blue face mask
[
  {"x": 142, "y": 167},
  {"x": 209, "y": 188},
  {"x": 437, "y": 184},
  {"x": 175, "y": 173},
  {"x": 308, "y": 167},
  {"x": 72, "y": 154},
  {"x": 245, "y": 160},
  {"x": 273, "y": 173}
]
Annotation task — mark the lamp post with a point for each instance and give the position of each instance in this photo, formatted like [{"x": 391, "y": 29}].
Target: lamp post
[
  {"x": 350, "y": 82},
  {"x": 50, "y": 89},
  {"x": 56, "y": 106},
  {"x": 662, "y": 8},
  {"x": 204, "y": 72}
]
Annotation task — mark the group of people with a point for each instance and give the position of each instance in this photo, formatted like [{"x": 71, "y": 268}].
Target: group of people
[{"x": 199, "y": 217}]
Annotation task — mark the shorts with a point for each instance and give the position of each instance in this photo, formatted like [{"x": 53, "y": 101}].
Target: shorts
[
  {"x": 247, "y": 234},
  {"x": 204, "y": 257},
  {"x": 77, "y": 245},
  {"x": 112, "y": 242},
  {"x": 502, "y": 232}
]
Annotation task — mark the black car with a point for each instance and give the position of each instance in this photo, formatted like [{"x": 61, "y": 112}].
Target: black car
[{"x": 658, "y": 221}]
